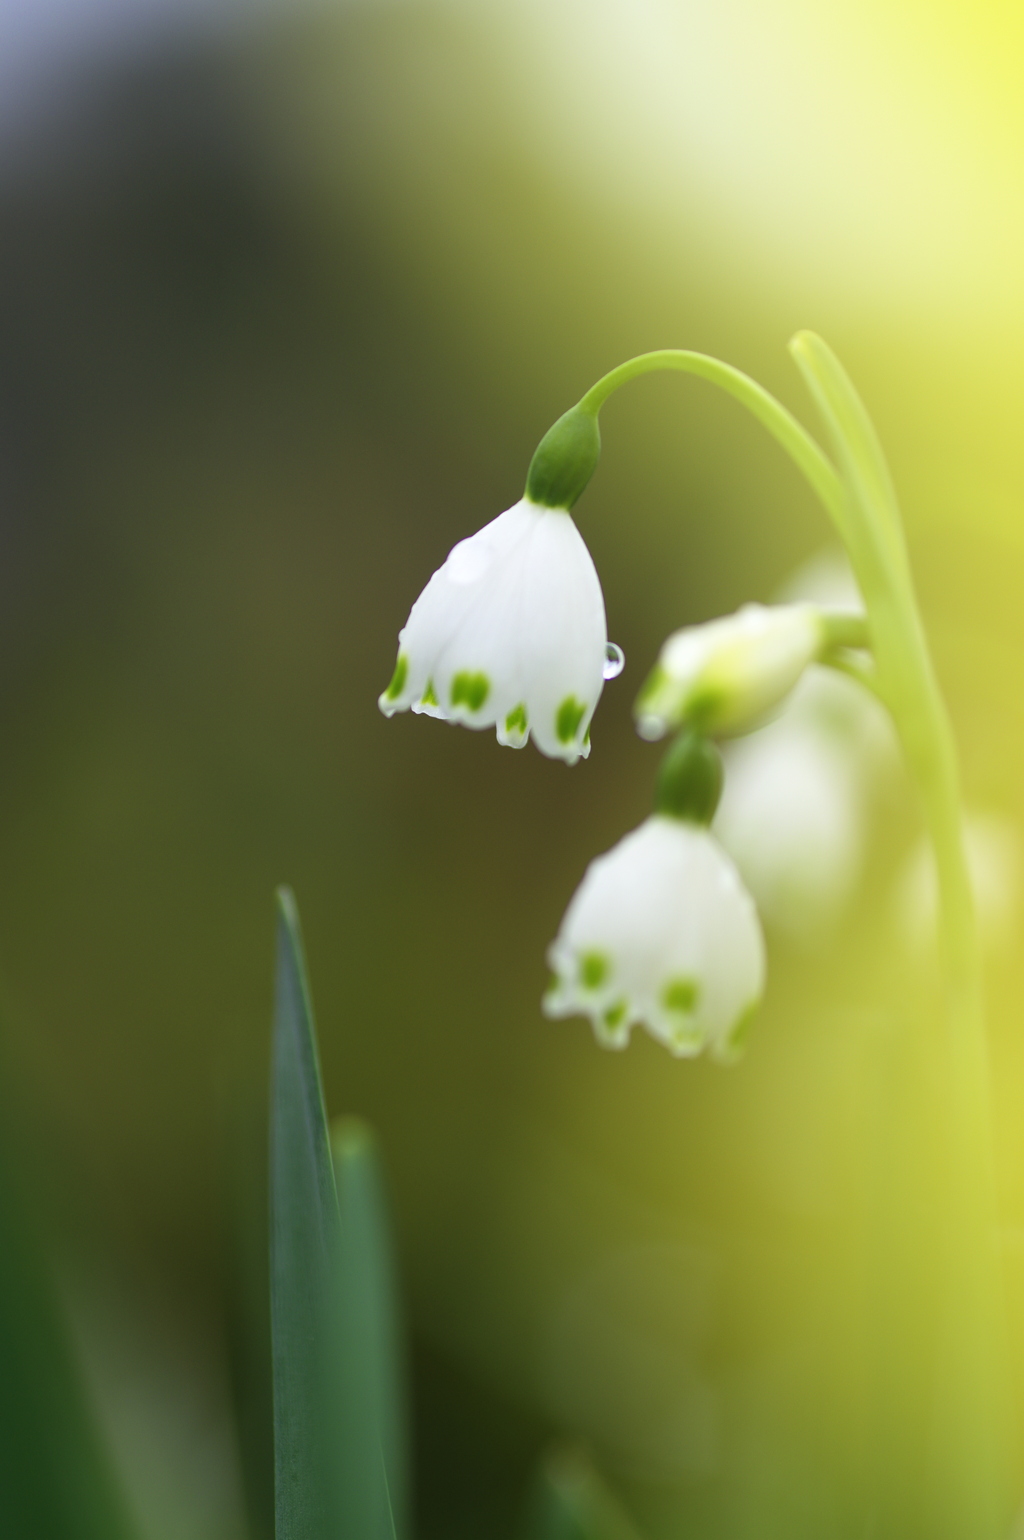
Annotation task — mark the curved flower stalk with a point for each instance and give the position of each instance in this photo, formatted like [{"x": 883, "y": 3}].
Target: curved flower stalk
[
  {"x": 661, "y": 933},
  {"x": 509, "y": 633}
]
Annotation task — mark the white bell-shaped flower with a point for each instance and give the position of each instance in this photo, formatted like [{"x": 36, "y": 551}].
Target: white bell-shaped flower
[
  {"x": 661, "y": 931},
  {"x": 510, "y": 632},
  {"x": 724, "y": 676}
]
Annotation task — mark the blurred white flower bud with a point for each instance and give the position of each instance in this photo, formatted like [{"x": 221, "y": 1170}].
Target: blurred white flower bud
[
  {"x": 725, "y": 676},
  {"x": 661, "y": 931},
  {"x": 798, "y": 796},
  {"x": 992, "y": 846},
  {"x": 510, "y": 632}
]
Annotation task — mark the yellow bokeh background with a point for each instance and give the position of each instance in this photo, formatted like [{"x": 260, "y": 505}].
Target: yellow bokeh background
[{"x": 288, "y": 306}]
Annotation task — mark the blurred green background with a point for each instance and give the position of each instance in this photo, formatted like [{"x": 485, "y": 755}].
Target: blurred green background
[{"x": 285, "y": 304}]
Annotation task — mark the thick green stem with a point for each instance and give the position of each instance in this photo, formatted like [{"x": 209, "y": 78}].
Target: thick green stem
[{"x": 968, "y": 1478}]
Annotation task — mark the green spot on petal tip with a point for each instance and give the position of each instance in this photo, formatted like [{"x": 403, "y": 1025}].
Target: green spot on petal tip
[
  {"x": 429, "y": 698},
  {"x": 398, "y": 678},
  {"x": 470, "y": 690},
  {"x": 680, "y": 996},
  {"x": 593, "y": 969},
  {"x": 736, "y": 1041},
  {"x": 568, "y": 718},
  {"x": 515, "y": 722}
]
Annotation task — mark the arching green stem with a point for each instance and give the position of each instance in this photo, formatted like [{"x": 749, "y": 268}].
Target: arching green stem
[{"x": 782, "y": 425}]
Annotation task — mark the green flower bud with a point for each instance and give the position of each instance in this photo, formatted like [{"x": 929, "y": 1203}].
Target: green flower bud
[
  {"x": 690, "y": 780},
  {"x": 565, "y": 460}
]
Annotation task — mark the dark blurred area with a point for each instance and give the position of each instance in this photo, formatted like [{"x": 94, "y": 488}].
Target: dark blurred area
[{"x": 283, "y": 313}]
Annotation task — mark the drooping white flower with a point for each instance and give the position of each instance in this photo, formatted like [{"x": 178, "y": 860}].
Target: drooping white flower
[
  {"x": 722, "y": 677},
  {"x": 661, "y": 931},
  {"x": 510, "y": 632}
]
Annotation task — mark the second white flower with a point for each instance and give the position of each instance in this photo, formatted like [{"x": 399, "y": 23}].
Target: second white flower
[{"x": 661, "y": 931}]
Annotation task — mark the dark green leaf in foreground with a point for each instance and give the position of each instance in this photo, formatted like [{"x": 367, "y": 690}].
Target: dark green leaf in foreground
[
  {"x": 373, "y": 1377},
  {"x": 304, "y": 1258},
  {"x": 55, "y": 1479},
  {"x": 571, "y": 1502}
]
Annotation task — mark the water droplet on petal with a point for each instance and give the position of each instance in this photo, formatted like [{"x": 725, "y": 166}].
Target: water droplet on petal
[{"x": 614, "y": 661}]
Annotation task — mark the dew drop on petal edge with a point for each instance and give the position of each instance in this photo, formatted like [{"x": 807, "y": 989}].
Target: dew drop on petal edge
[{"x": 614, "y": 661}]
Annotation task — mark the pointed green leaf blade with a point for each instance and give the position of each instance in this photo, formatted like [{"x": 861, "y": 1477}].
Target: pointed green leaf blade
[
  {"x": 856, "y": 444},
  {"x": 304, "y": 1241},
  {"x": 571, "y": 1502},
  {"x": 56, "y": 1480},
  {"x": 374, "y": 1403}
]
